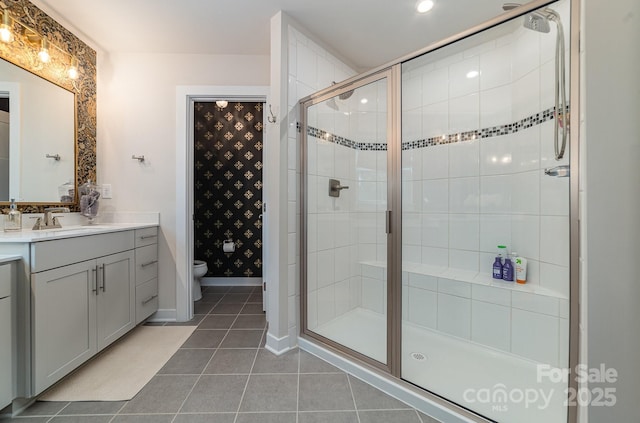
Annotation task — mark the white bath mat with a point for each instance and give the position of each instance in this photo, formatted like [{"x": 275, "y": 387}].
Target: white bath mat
[{"x": 120, "y": 371}]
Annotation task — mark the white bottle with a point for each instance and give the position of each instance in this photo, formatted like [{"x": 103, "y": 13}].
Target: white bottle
[{"x": 521, "y": 269}]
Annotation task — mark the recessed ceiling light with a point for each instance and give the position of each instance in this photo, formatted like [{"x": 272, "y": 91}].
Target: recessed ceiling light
[
  {"x": 423, "y": 6},
  {"x": 364, "y": 101},
  {"x": 472, "y": 74}
]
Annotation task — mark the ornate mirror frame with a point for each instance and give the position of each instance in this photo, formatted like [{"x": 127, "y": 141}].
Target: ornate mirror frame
[{"x": 21, "y": 54}]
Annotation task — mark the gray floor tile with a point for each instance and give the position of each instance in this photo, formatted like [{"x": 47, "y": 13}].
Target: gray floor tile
[
  {"x": 251, "y": 308},
  {"x": 369, "y": 398},
  {"x": 427, "y": 419},
  {"x": 231, "y": 361},
  {"x": 205, "y": 418},
  {"x": 242, "y": 339},
  {"x": 325, "y": 392},
  {"x": 242, "y": 289},
  {"x": 205, "y": 338},
  {"x": 187, "y": 362},
  {"x": 163, "y": 394},
  {"x": 217, "y": 289},
  {"x": 227, "y": 309},
  {"x": 268, "y": 362},
  {"x": 44, "y": 408},
  {"x": 149, "y": 418},
  {"x": 328, "y": 417},
  {"x": 212, "y": 298},
  {"x": 235, "y": 298},
  {"x": 81, "y": 419},
  {"x": 93, "y": 407},
  {"x": 386, "y": 416},
  {"x": 217, "y": 321},
  {"x": 270, "y": 393},
  {"x": 266, "y": 418},
  {"x": 202, "y": 308},
  {"x": 255, "y": 298},
  {"x": 309, "y": 363},
  {"x": 215, "y": 393},
  {"x": 197, "y": 318},
  {"x": 24, "y": 419},
  {"x": 250, "y": 321}
]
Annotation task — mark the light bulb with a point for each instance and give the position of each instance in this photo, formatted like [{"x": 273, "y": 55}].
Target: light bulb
[
  {"x": 6, "y": 35},
  {"x": 73, "y": 69},
  {"x": 43, "y": 54},
  {"x": 424, "y": 6}
]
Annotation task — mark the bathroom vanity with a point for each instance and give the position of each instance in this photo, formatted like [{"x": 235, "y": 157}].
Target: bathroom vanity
[
  {"x": 78, "y": 290},
  {"x": 8, "y": 265}
]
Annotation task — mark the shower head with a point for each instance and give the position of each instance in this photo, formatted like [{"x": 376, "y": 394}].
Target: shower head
[{"x": 537, "y": 21}]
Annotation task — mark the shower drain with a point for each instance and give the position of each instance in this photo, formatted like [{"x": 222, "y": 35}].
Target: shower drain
[{"x": 418, "y": 356}]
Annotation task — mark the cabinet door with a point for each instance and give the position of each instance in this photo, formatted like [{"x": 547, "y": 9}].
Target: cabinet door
[
  {"x": 64, "y": 321},
  {"x": 6, "y": 363},
  {"x": 116, "y": 297}
]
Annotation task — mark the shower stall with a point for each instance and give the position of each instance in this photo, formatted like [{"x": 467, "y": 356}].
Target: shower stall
[{"x": 411, "y": 176}]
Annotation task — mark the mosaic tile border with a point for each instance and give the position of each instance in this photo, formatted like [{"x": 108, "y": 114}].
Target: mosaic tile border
[
  {"x": 84, "y": 88},
  {"x": 494, "y": 131}
]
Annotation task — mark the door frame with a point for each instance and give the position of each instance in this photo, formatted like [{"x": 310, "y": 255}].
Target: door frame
[{"x": 186, "y": 95}]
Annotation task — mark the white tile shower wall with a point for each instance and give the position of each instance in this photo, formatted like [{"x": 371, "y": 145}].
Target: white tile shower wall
[
  {"x": 311, "y": 68},
  {"x": 499, "y": 317},
  {"x": 480, "y": 193}
]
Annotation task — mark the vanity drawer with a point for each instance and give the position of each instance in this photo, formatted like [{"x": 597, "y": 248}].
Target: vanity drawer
[
  {"x": 146, "y": 263},
  {"x": 47, "y": 255},
  {"x": 146, "y": 236},
  {"x": 5, "y": 280},
  {"x": 146, "y": 299}
]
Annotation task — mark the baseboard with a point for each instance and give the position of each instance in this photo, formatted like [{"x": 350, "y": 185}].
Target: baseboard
[
  {"x": 164, "y": 315},
  {"x": 397, "y": 390},
  {"x": 278, "y": 346},
  {"x": 230, "y": 281}
]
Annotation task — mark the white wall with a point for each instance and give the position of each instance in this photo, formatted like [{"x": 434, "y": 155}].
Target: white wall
[
  {"x": 612, "y": 199},
  {"x": 136, "y": 115}
]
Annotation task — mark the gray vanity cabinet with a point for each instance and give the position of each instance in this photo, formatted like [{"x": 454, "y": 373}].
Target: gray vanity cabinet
[
  {"x": 80, "y": 308},
  {"x": 6, "y": 336}
]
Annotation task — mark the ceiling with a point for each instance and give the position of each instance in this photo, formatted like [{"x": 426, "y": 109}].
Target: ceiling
[{"x": 367, "y": 33}]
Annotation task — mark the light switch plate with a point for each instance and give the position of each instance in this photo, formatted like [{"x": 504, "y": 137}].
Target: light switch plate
[{"x": 106, "y": 191}]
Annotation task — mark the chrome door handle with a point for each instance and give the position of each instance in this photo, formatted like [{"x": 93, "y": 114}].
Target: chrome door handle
[
  {"x": 148, "y": 263},
  {"x": 104, "y": 278},
  {"x": 558, "y": 171},
  {"x": 95, "y": 279},
  {"x": 149, "y": 299}
]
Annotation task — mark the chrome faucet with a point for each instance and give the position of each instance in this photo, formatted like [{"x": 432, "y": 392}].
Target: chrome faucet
[{"x": 49, "y": 221}]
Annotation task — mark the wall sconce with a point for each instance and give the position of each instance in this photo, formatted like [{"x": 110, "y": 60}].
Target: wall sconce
[
  {"x": 34, "y": 38},
  {"x": 222, "y": 103},
  {"x": 6, "y": 34},
  {"x": 43, "y": 54},
  {"x": 73, "y": 69}
]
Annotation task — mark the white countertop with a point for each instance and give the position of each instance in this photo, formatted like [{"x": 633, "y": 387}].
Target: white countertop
[
  {"x": 6, "y": 258},
  {"x": 29, "y": 235}
]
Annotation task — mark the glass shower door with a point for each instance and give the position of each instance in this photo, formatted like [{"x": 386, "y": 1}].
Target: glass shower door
[
  {"x": 345, "y": 194},
  {"x": 478, "y": 119}
]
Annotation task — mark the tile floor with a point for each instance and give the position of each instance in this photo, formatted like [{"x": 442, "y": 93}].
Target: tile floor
[{"x": 222, "y": 374}]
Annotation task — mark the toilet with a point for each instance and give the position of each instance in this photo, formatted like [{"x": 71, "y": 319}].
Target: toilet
[{"x": 199, "y": 270}]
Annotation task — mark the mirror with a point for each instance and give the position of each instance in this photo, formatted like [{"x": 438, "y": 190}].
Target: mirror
[
  {"x": 77, "y": 129},
  {"x": 37, "y": 138}
]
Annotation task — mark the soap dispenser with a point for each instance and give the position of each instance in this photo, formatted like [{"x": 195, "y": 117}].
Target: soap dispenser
[{"x": 13, "y": 220}]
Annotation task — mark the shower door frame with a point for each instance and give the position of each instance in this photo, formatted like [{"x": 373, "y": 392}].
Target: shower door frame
[
  {"x": 392, "y": 75},
  {"x": 394, "y": 203}
]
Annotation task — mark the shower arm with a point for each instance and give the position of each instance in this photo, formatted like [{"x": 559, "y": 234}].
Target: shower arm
[{"x": 561, "y": 121}]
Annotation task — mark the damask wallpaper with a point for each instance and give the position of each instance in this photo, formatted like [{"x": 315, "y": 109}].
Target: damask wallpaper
[{"x": 228, "y": 187}]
